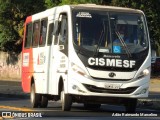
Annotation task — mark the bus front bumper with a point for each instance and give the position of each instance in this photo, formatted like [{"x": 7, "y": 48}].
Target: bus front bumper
[{"x": 79, "y": 85}]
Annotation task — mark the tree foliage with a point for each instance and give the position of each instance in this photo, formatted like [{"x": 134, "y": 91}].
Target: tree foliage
[
  {"x": 12, "y": 16},
  {"x": 14, "y": 12},
  {"x": 52, "y": 3}
]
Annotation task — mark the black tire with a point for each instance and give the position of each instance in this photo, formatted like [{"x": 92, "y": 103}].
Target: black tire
[
  {"x": 130, "y": 105},
  {"x": 44, "y": 101},
  {"x": 66, "y": 101},
  {"x": 91, "y": 106},
  {"x": 34, "y": 97}
]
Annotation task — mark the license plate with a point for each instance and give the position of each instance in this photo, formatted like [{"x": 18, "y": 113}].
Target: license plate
[{"x": 112, "y": 86}]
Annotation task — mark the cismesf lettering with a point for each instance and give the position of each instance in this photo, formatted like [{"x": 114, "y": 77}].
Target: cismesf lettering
[{"x": 111, "y": 62}]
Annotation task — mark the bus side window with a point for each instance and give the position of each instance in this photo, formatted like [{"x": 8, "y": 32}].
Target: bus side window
[
  {"x": 50, "y": 34},
  {"x": 28, "y": 38},
  {"x": 43, "y": 32},
  {"x": 36, "y": 33}
]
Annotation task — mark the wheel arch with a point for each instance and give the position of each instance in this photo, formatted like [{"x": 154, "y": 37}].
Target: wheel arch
[
  {"x": 60, "y": 85},
  {"x": 31, "y": 82}
]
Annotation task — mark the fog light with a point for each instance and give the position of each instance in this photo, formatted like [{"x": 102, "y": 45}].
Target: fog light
[{"x": 142, "y": 91}]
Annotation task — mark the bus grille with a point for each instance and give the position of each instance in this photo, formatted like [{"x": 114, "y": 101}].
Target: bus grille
[
  {"x": 92, "y": 88},
  {"x": 110, "y": 79}
]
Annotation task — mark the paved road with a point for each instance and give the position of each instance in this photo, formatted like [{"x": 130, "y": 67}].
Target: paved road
[
  {"x": 12, "y": 99},
  {"x": 77, "y": 112}
]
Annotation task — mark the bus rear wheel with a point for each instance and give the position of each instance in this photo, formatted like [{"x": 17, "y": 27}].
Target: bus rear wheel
[
  {"x": 66, "y": 101},
  {"x": 34, "y": 97},
  {"x": 130, "y": 105}
]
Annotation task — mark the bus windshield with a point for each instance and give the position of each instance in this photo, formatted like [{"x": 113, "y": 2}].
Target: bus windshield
[{"x": 109, "y": 32}]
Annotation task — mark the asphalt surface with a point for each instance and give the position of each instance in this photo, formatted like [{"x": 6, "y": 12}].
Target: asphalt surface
[
  {"x": 13, "y": 89},
  {"x": 13, "y": 98}
]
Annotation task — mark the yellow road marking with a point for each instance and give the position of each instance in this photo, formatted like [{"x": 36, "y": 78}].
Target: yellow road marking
[
  {"x": 1, "y": 118},
  {"x": 16, "y": 108}
]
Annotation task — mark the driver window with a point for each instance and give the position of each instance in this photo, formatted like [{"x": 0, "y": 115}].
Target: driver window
[{"x": 62, "y": 29}]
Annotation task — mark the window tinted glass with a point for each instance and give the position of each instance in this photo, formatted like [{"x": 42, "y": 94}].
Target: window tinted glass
[
  {"x": 36, "y": 32},
  {"x": 50, "y": 34},
  {"x": 28, "y": 38},
  {"x": 43, "y": 33},
  {"x": 109, "y": 32},
  {"x": 63, "y": 30},
  {"x": 91, "y": 29}
]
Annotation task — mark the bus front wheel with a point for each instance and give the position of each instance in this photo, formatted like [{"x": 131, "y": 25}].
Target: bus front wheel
[
  {"x": 34, "y": 97},
  {"x": 66, "y": 101}
]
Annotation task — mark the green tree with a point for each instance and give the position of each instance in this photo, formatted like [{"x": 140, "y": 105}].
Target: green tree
[
  {"x": 12, "y": 16},
  {"x": 79, "y": 1},
  {"x": 52, "y": 3}
]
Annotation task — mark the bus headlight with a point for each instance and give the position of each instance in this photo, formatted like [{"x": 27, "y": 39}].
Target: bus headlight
[
  {"x": 144, "y": 73},
  {"x": 78, "y": 70}
]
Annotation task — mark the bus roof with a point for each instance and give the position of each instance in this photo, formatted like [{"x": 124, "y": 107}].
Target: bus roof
[
  {"x": 109, "y": 8},
  {"x": 51, "y": 11}
]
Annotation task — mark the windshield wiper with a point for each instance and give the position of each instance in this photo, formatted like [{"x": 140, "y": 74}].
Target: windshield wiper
[
  {"x": 100, "y": 39},
  {"x": 123, "y": 44}
]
